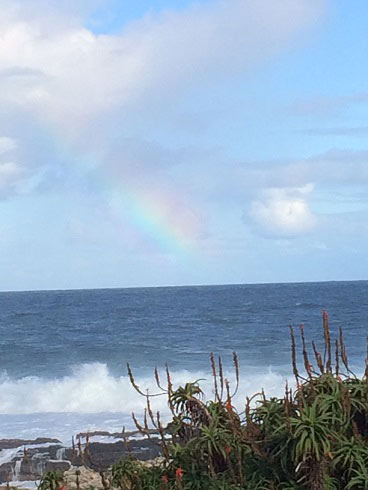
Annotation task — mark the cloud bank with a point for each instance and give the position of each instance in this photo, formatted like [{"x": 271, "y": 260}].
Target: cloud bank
[
  {"x": 61, "y": 81},
  {"x": 67, "y": 74}
]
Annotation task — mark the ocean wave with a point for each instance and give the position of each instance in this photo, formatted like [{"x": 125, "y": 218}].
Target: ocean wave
[{"x": 92, "y": 388}]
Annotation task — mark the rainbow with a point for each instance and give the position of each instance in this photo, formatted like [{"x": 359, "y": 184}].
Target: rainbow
[
  {"x": 156, "y": 212},
  {"x": 159, "y": 216}
]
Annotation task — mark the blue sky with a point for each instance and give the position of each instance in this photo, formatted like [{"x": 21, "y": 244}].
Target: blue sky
[{"x": 182, "y": 142}]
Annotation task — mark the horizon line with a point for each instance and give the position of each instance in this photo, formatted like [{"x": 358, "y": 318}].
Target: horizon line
[{"x": 177, "y": 286}]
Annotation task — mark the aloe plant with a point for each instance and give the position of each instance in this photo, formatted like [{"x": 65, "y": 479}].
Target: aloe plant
[
  {"x": 313, "y": 438},
  {"x": 51, "y": 480}
]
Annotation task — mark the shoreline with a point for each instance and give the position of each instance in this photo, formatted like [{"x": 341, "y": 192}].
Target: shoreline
[{"x": 24, "y": 460}]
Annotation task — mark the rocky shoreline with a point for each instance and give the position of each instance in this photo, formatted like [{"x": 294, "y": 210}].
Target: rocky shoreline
[{"x": 27, "y": 460}]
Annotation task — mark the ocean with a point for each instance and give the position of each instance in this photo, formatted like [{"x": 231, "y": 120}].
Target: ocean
[{"x": 64, "y": 353}]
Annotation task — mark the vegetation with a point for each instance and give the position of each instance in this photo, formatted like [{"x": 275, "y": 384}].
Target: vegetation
[
  {"x": 315, "y": 437},
  {"x": 51, "y": 480}
]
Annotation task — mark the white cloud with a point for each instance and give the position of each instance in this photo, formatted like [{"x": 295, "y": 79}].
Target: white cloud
[
  {"x": 283, "y": 212},
  {"x": 63, "y": 76},
  {"x": 56, "y": 74},
  {"x": 7, "y": 144},
  {"x": 68, "y": 75},
  {"x": 10, "y": 173},
  {"x": 344, "y": 168}
]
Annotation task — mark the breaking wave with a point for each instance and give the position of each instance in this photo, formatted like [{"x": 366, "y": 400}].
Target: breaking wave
[{"x": 92, "y": 388}]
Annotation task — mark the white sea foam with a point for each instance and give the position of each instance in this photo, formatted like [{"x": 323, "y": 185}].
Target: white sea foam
[
  {"x": 25, "y": 484},
  {"x": 87, "y": 399},
  {"x": 91, "y": 388},
  {"x": 8, "y": 454}
]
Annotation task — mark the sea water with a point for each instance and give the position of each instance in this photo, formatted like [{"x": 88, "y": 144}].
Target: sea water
[{"x": 63, "y": 354}]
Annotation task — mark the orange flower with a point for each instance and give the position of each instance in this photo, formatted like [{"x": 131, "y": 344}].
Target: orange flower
[{"x": 179, "y": 473}]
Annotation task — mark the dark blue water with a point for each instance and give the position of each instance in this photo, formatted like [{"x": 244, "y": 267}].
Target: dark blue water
[
  {"x": 66, "y": 351},
  {"x": 43, "y": 333}
]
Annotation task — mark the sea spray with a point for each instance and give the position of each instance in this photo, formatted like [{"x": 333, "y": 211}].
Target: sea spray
[
  {"x": 92, "y": 388},
  {"x": 92, "y": 398}
]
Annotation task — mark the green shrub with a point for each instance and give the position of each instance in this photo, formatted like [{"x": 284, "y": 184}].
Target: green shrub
[
  {"x": 315, "y": 437},
  {"x": 51, "y": 480}
]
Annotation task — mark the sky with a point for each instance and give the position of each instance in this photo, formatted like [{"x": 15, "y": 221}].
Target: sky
[{"x": 182, "y": 142}]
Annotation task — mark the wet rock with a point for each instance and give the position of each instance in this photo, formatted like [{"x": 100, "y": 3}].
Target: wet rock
[
  {"x": 117, "y": 435},
  {"x": 31, "y": 469},
  {"x": 6, "y": 471},
  {"x": 20, "y": 463},
  {"x": 61, "y": 466},
  {"x": 102, "y": 455},
  {"x": 14, "y": 443}
]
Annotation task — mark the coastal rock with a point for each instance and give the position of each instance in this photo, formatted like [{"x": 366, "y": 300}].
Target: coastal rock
[
  {"x": 14, "y": 443},
  {"x": 22, "y": 463},
  {"x": 101, "y": 455},
  {"x": 87, "y": 478},
  {"x": 32, "y": 466},
  {"x": 6, "y": 472},
  {"x": 117, "y": 435}
]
